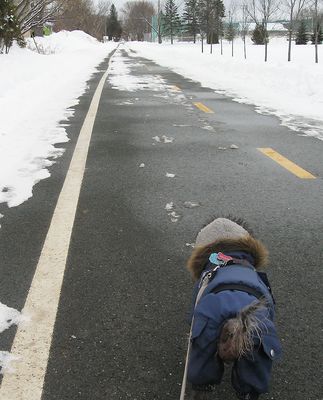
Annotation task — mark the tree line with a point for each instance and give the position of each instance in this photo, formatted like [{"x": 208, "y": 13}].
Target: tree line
[
  {"x": 208, "y": 20},
  {"x": 211, "y": 21},
  {"x": 19, "y": 17}
]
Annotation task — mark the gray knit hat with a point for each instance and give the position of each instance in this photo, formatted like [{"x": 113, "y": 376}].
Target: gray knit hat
[{"x": 220, "y": 228}]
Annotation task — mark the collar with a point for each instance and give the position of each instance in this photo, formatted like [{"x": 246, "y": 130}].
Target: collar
[{"x": 236, "y": 257}]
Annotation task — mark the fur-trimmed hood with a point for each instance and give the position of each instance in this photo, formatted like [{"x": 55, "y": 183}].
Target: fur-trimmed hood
[{"x": 246, "y": 243}]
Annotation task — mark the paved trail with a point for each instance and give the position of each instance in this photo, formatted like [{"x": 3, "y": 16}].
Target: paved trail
[{"x": 160, "y": 165}]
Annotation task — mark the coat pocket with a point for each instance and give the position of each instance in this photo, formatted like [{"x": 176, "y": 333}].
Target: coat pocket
[
  {"x": 271, "y": 346},
  {"x": 202, "y": 332}
]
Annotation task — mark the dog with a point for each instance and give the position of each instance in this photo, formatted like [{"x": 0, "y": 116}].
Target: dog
[{"x": 233, "y": 313}]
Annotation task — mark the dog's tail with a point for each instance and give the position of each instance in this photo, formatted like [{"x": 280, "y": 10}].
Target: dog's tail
[{"x": 236, "y": 337}]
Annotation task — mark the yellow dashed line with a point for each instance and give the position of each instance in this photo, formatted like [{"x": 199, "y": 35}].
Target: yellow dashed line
[
  {"x": 203, "y": 107},
  {"x": 284, "y": 162}
]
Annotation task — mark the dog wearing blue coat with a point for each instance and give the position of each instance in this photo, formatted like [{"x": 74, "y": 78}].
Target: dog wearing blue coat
[{"x": 233, "y": 313}]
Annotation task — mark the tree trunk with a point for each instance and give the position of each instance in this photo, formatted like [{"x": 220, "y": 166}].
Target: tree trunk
[
  {"x": 221, "y": 47},
  {"x": 316, "y": 31},
  {"x": 232, "y": 47},
  {"x": 211, "y": 48},
  {"x": 244, "y": 48},
  {"x": 159, "y": 33},
  {"x": 290, "y": 43},
  {"x": 202, "y": 43}
]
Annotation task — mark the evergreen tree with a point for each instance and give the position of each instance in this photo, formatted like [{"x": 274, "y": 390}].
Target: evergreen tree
[
  {"x": 319, "y": 35},
  {"x": 211, "y": 13},
  {"x": 259, "y": 35},
  {"x": 190, "y": 16},
  {"x": 219, "y": 14},
  {"x": 114, "y": 29},
  {"x": 230, "y": 33},
  {"x": 301, "y": 35},
  {"x": 9, "y": 26},
  {"x": 171, "y": 20}
]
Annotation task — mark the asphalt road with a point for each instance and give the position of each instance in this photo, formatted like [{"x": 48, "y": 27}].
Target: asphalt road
[{"x": 121, "y": 327}]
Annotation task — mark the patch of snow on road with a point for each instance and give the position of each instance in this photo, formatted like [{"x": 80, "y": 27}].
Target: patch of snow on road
[
  {"x": 208, "y": 128},
  {"x": 169, "y": 206},
  {"x": 8, "y": 316},
  {"x": 121, "y": 77},
  {"x": 171, "y": 212},
  {"x": 191, "y": 204},
  {"x": 5, "y": 360},
  {"x": 167, "y": 139},
  {"x": 36, "y": 93}
]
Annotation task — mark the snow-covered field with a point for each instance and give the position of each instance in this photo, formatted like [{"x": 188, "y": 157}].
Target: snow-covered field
[
  {"x": 291, "y": 90},
  {"x": 36, "y": 91}
]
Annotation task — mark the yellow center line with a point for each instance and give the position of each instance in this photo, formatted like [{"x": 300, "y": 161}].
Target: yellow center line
[
  {"x": 284, "y": 162},
  {"x": 203, "y": 107}
]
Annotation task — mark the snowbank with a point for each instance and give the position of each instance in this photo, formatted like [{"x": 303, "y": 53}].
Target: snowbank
[
  {"x": 36, "y": 91},
  {"x": 293, "y": 91}
]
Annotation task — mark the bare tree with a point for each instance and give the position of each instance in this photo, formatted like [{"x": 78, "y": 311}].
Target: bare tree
[
  {"x": 84, "y": 15},
  {"x": 231, "y": 31},
  {"x": 261, "y": 11},
  {"x": 75, "y": 15},
  {"x": 294, "y": 8},
  {"x": 137, "y": 18},
  {"x": 244, "y": 27},
  {"x": 32, "y": 14},
  {"x": 99, "y": 18},
  {"x": 316, "y": 25}
]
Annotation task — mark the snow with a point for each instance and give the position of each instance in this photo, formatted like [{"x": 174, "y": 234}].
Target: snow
[
  {"x": 36, "y": 93},
  {"x": 120, "y": 76},
  {"x": 5, "y": 360},
  {"x": 163, "y": 139},
  {"x": 8, "y": 316},
  {"x": 291, "y": 90}
]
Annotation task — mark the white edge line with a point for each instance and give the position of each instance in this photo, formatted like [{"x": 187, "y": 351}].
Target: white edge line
[{"x": 33, "y": 340}]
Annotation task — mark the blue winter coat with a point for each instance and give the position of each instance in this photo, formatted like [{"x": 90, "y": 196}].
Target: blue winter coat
[{"x": 250, "y": 373}]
